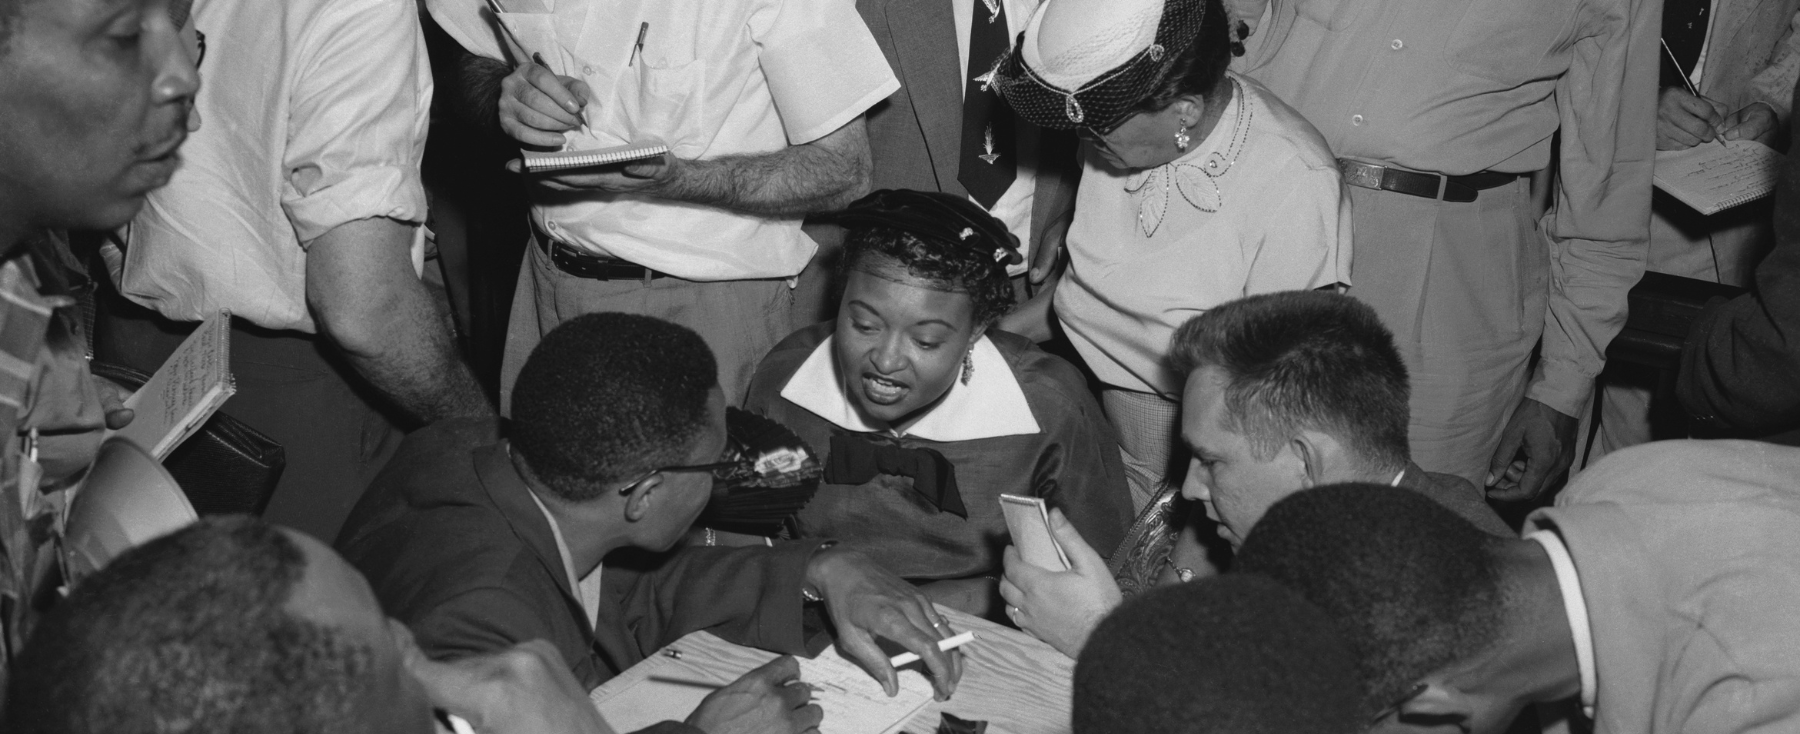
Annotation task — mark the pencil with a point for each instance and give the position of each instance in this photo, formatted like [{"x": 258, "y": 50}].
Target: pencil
[
  {"x": 1718, "y": 134},
  {"x": 947, "y": 644}
]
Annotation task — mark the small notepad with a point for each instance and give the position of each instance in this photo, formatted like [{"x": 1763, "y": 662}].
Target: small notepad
[
  {"x": 190, "y": 386},
  {"x": 541, "y": 162},
  {"x": 1712, "y": 178}
]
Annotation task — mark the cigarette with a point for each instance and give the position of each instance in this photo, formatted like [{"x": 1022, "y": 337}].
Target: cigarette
[{"x": 945, "y": 645}]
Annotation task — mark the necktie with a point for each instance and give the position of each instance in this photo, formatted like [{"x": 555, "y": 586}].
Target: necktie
[
  {"x": 1684, "y": 28},
  {"x": 855, "y": 460},
  {"x": 986, "y": 167}
]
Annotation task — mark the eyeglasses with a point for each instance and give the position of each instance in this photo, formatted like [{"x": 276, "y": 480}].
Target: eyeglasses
[
  {"x": 1394, "y": 708},
  {"x": 721, "y": 470},
  {"x": 200, "y": 41}
]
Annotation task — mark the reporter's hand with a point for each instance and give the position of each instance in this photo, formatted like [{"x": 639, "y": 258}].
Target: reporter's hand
[
  {"x": 866, "y": 601},
  {"x": 1546, "y": 440},
  {"x": 1060, "y": 607},
  {"x": 525, "y": 689},
  {"x": 768, "y": 700},
  {"x": 537, "y": 106},
  {"x": 1756, "y": 121},
  {"x": 1684, "y": 120},
  {"x": 112, "y": 402}
]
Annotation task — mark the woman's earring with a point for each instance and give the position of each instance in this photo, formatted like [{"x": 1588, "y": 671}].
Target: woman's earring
[
  {"x": 968, "y": 366},
  {"x": 1181, "y": 138}
]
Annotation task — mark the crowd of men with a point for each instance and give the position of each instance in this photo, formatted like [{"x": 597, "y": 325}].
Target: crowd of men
[{"x": 423, "y": 558}]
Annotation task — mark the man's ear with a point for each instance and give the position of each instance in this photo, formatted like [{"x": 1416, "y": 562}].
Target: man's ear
[
  {"x": 1440, "y": 703},
  {"x": 1321, "y": 454},
  {"x": 640, "y": 496}
]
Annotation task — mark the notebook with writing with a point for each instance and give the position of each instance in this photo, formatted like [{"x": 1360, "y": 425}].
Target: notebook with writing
[
  {"x": 1712, "y": 178},
  {"x": 571, "y": 159},
  {"x": 189, "y": 387}
]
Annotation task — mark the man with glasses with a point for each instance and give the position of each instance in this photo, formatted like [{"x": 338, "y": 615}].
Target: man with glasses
[
  {"x": 1657, "y": 596},
  {"x": 618, "y": 426}
]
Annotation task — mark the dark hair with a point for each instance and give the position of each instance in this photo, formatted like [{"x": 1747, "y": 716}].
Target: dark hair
[
  {"x": 1304, "y": 360},
  {"x": 943, "y": 266},
  {"x": 1411, "y": 586},
  {"x": 189, "y": 633},
  {"x": 1236, "y": 654},
  {"x": 606, "y": 396},
  {"x": 1197, "y": 69}
]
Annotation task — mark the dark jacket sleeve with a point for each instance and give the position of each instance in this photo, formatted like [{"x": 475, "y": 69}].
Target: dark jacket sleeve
[
  {"x": 747, "y": 595},
  {"x": 1740, "y": 368},
  {"x": 1080, "y": 472},
  {"x": 481, "y": 621}
]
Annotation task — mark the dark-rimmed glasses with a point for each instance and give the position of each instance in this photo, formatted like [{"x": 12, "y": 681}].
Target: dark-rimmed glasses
[
  {"x": 719, "y": 469},
  {"x": 1394, "y": 708}
]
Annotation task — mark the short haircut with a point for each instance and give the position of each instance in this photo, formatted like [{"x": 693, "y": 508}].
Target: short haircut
[
  {"x": 1301, "y": 360},
  {"x": 1234, "y": 654},
  {"x": 944, "y": 266},
  {"x": 1200, "y": 67},
  {"x": 1411, "y": 586},
  {"x": 607, "y": 396},
  {"x": 188, "y": 633}
]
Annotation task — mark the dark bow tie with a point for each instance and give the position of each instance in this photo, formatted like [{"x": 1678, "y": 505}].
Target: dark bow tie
[{"x": 856, "y": 460}]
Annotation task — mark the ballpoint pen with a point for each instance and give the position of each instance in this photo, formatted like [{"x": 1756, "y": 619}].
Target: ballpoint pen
[{"x": 638, "y": 48}]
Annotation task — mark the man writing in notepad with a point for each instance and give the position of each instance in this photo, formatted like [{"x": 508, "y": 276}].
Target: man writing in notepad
[{"x": 761, "y": 105}]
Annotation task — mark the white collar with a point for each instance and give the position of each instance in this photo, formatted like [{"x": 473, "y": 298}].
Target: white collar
[
  {"x": 1576, "y": 606},
  {"x": 1397, "y": 478},
  {"x": 586, "y": 589},
  {"x": 991, "y": 405}
]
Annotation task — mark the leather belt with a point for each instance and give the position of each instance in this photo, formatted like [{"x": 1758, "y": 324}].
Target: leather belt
[
  {"x": 1459, "y": 189},
  {"x": 583, "y": 264}
]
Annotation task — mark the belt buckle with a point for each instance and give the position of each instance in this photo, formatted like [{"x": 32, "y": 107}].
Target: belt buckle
[{"x": 1358, "y": 173}]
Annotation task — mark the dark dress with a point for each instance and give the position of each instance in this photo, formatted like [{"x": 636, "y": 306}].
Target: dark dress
[{"x": 1072, "y": 461}]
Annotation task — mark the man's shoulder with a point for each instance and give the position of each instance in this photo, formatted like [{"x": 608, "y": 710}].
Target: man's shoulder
[
  {"x": 1691, "y": 472},
  {"x": 1462, "y": 497},
  {"x": 430, "y": 477}
]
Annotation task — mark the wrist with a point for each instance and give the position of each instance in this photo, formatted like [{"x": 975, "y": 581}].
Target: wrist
[{"x": 812, "y": 587}]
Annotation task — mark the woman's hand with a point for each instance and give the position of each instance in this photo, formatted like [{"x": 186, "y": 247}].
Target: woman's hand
[{"x": 865, "y": 602}]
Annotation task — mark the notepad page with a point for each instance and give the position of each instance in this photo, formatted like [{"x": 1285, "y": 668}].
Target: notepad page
[
  {"x": 186, "y": 390},
  {"x": 1711, "y": 177},
  {"x": 661, "y": 688}
]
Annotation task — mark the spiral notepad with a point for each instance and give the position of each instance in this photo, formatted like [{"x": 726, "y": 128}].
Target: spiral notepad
[
  {"x": 541, "y": 162},
  {"x": 1712, "y": 178}
]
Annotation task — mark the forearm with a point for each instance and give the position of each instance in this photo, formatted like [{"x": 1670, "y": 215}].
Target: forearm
[
  {"x": 478, "y": 98},
  {"x": 369, "y": 302},
  {"x": 823, "y": 175}
]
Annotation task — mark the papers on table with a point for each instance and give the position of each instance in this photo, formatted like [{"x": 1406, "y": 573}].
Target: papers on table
[
  {"x": 1712, "y": 178},
  {"x": 665, "y": 687}
]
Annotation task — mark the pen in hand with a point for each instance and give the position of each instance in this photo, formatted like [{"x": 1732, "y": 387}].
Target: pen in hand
[
  {"x": 580, "y": 114},
  {"x": 1718, "y": 134}
]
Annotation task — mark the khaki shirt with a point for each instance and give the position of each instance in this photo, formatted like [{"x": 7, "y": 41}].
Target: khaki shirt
[{"x": 1460, "y": 86}]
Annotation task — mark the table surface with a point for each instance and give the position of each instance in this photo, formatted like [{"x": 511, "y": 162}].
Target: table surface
[{"x": 1013, "y": 681}]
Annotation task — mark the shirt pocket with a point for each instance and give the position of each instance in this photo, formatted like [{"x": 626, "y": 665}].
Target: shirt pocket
[
  {"x": 664, "y": 102},
  {"x": 1334, "y": 15},
  {"x": 1508, "y": 41}
]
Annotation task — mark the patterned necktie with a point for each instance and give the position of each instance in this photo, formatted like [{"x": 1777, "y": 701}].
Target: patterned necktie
[{"x": 986, "y": 167}]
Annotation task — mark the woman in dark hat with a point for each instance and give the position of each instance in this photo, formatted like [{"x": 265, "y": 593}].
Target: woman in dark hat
[
  {"x": 925, "y": 415},
  {"x": 1198, "y": 187}
]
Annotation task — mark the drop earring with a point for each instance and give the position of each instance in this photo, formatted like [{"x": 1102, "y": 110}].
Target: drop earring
[
  {"x": 968, "y": 372},
  {"x": 1181, "y": 138}
]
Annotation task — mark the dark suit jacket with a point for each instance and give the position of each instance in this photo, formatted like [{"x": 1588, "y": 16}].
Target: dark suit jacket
[
  {"x": 1457, "y": 495},
  {"x": 1740, "y": 368},
  {"x": 915, "y": 135},
  {"x": 454, "y": 546}
]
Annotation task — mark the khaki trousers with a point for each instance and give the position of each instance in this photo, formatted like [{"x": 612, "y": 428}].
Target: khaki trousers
[
  {"x": 1463, "y": 286},
  {"x": 741, "y": 320}
]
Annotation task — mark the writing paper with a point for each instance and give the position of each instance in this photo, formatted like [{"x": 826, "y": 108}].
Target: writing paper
[
  {"x": 1712, "y": 178},
  {"x": 188, "y": 388},
  {"x": 1028, "y": 520}
]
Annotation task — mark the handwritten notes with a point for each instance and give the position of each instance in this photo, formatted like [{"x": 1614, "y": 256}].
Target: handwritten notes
[
  {"x": 669, "y": 688},
  {"x": 185, "y": 391},
  {"x": 1712, "y": 178}
]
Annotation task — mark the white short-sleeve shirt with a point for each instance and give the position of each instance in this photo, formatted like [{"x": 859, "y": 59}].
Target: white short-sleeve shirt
[
  {"x": 1144, "y": 256},
  {"x": 713, "y": 78},
  {"x": 313, "y": 114}
]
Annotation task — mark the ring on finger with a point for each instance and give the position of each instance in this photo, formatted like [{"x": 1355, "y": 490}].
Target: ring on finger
[{"x": 1012, "y": 611}]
